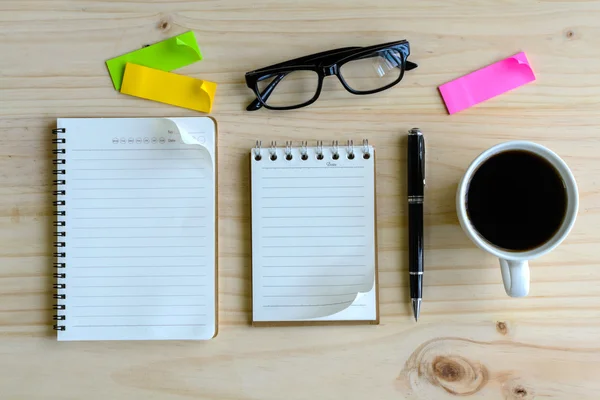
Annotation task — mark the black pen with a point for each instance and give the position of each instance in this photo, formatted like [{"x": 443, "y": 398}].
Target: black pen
[{"x": 416, "y": 189}]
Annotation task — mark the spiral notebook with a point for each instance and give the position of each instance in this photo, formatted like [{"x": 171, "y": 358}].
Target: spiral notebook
[
  {"x": 314, "y": 251},
  {"x": 135, "y": 228}
]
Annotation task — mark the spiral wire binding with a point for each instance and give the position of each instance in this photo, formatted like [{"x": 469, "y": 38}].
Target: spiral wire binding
[
  {"x": 320, "y": 150},
  {"x": 273, "y": 151},
  {"x": 59, "y": 235},
  {"x": 350, "y": 149},
  {"x": 257, "y": 151},
  {"x": 304, "y": 151},
  {"x": 366, "y": 152},
  {"x": 335, "y": 150}
]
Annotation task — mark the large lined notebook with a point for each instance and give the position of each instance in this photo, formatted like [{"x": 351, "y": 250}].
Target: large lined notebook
[
  {"x": 314, "y": 235},
  {"x": 135, "y": 228}
]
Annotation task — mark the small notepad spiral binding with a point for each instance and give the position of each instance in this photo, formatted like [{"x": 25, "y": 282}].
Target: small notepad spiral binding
[
  {"x": 320, "y": 154},
  {"x": 59, "y": 212}
]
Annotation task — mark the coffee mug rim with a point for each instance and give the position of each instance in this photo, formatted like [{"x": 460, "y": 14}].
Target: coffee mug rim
[{"x": 572, "y": 200}]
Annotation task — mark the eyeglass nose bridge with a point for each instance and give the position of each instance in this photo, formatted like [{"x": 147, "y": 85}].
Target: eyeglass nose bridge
[{"x": 330, "y": 70}]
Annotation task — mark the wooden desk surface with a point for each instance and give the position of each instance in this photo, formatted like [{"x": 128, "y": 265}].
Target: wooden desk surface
[{"x": 473, "y": 340}]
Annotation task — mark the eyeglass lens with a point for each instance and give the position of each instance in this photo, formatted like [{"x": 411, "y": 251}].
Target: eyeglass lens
[
  {"x": 290, "y": 88},
  {"x": 372, "y": 71}
]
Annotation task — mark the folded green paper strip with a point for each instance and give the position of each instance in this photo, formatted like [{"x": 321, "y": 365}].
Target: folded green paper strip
[{"x": 170, "y": 54}]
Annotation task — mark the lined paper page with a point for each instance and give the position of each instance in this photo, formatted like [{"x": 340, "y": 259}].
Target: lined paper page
[
  {"x": 140, "y": 226},
  {"x": 313, "y": 237}
]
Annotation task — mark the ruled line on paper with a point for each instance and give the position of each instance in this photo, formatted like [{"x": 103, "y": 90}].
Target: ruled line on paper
[
  {"x": 138, "y": 227},
  {"x": 143, "y": 169},
  {"x": 138, "y": 315},
  {"x": 141, "y": 295},
  {"x": 135, "y": 325},
  {"x": 137, "y": 237},
  {"x": 139, "y": 266},
  {"x": 305, "y": 305},
  {"x": 131, "y": 286},
  {"x": 138, "y": 159},
  {"x": 296, "y": 286},
  {"x": 312, "y": 197},
  {"x": 139, "y": 149},
  {"x": 134, "y": 276},
  {"x": 317, "y": 256},
  {"x": 139, "y": 247},
  {"x": 309, "y": 295},
  {"x": 314, "y": 266},
  {"x": 312, "y": 236},
  {"x": 142, "y": 188},
  {"x": 137, "y": 305},
  {"x": 141, "y": 198},
  {"x": 313, "y": 207},
  {"x": 316, "y": 216},
  {"x": 324, "y": 167},
  {"x": 314, "y": 177},
  {"x": 145, "y": 217},
  {"x": 315, "y": 246},
  {"x": 313, "y": 276},
  {"x": 312, "y": 187},
  {"x": 314, "y": 226},
  {"x": 141, "y": 256},
  {"x": 138, "y": 178},
  {"x": 138, "y": 208}
]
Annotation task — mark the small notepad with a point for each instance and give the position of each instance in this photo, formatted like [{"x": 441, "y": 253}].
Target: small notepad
[
  {"x": 313, "y": 235},
  {"x": 135, "y": 229}
]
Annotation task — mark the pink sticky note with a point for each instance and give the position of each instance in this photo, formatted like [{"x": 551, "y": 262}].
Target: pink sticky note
[{"x": 486, "y": 83}]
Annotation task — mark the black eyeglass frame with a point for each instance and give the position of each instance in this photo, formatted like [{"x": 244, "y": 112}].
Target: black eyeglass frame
[{"x": 326, "y": 63}]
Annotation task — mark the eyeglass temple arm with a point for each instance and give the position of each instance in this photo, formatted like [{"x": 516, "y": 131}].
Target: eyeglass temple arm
[
  {"x": 256, "y": 104},
  {"x": 407, "y": 66},
  {"x": 310, "y": 59},
  {"x": 410, "y": 65}
]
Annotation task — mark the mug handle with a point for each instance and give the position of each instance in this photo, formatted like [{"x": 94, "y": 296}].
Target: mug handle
[{"x": 515, "y": 275}]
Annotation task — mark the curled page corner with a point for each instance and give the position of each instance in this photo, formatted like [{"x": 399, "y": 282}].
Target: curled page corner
[
  {"x": 183, "y": 133},
  {"x": 486, "y": 83},
  {"x": 365, "y": 286},
  {"x": 187, "y": 138},
  {"x": 208, "y": 90},
  {"x": 189, "y": 41},
  {"x": 524, "y": 66}
]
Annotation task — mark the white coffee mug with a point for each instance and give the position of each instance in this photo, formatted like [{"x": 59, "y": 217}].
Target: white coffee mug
[{"x": 515, "y": 264}]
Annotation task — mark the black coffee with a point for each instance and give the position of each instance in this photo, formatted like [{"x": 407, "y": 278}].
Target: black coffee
[{"x": 517, "y": 200}]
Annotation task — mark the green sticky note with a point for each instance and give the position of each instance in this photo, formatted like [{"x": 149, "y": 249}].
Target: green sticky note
[{"x": 167, "y": 55}]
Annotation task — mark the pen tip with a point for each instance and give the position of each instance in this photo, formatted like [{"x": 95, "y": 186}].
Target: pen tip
[{"x": 416, "y": 305}]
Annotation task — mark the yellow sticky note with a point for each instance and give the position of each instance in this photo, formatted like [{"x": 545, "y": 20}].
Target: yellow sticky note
[{"x": 167, "y": 87}]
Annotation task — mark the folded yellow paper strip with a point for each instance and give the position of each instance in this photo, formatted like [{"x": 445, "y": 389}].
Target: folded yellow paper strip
[{"x": 167, "y": 87}]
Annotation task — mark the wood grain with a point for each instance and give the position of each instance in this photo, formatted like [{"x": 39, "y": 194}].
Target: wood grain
[{"x": 473, "y": 341}]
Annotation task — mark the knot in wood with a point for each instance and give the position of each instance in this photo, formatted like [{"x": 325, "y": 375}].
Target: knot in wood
[{"x": 457, "y": 375}]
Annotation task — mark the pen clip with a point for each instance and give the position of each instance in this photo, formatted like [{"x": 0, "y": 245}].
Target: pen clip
[
  {"x": 420, "y": 149},
  {"x": 422, "y": 143}
]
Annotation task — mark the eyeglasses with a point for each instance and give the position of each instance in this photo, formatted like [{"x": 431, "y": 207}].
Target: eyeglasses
[{"x": 298, "y": 83}]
